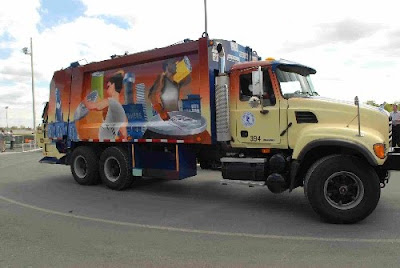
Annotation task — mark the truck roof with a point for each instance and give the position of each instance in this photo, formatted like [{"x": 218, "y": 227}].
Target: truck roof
[
  {"x": 181, "y": 48},
  {"x": 185, "y": 47}
]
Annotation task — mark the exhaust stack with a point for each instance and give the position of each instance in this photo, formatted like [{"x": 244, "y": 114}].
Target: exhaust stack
[{"x": 221, "y": 59}]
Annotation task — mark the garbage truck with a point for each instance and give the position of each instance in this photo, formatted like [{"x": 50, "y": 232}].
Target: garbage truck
[{"x": 161, "y": 112}]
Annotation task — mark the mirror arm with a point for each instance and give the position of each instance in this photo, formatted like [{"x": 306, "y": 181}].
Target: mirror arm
[
  {"x": 260, "y": 74},
  {"x": 262, "y": 105}
]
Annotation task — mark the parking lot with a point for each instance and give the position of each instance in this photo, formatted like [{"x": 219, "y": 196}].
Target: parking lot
[{"x": 49, "y": 220}]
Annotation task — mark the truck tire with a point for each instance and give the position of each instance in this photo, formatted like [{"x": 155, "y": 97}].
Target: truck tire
[
  {"x": 85, "y": 166},
  {"x": 342, "y": 189},
  {"x": 115, "y": 169}
]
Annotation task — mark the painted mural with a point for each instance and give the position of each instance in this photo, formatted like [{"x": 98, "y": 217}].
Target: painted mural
[
  {"x": 153, "y": 100},
  {"x": 165, "y": 99}
]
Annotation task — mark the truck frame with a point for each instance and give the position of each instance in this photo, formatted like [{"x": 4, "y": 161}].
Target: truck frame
[{"x": 160, "y": 112}]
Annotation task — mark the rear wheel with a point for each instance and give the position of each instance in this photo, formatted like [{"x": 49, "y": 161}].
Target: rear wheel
[
  {"x": 84, "y": 166},
  {"x": 115, "y": 169},
  {"x": 342, "y": 189}
]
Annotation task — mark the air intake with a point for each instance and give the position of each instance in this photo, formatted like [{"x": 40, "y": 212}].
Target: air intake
[{"x": 305, "y": 117}]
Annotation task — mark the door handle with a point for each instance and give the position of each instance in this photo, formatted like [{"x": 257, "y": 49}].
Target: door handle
[{"x": 264, "y": 111}]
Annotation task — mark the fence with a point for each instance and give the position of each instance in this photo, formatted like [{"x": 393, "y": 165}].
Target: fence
[
  {"x": 31, "y": 145},
  {"x": 22, "y": 142}
]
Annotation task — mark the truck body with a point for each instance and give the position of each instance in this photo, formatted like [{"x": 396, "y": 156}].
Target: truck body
[{"x": 160, "y": 112}]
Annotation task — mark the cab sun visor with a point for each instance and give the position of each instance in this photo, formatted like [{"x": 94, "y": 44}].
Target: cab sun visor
[{"x": 294, "y": 68}]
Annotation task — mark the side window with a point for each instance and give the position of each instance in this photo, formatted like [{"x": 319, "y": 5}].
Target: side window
[
  {"x": 245, "y": 87},
  {"x": 268, "y": 97}
]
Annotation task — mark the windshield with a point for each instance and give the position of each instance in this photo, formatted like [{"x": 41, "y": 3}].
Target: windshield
[{"x": 295, "y": 85}]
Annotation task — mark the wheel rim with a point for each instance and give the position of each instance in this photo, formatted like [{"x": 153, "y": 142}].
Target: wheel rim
[
  {"x": 112, "y": 169},
  {"x": 80, "y": 166},
  {"x": 343, "y": 190}
]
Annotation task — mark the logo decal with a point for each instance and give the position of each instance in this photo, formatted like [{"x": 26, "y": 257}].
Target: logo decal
[{"x": 248, "y": 119}]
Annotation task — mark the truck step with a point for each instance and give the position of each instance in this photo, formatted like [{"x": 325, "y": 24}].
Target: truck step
[
  {"x": 394, "y": 149},
  {"x": 249, "y": 183},
  {"x": 50, "y": 160}
]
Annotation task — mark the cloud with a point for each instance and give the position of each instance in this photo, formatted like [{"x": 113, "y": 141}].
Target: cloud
[
  {"x": 19, "y": 18},
  {"x": 12, "y": 97},
  {"x": 18, "y": 97},
  {"x": 345, "y": 31},
  {"x": 391, "y": 46},
  {"x": 15, "y": 71},
  {"x": 53, "y": 13}
]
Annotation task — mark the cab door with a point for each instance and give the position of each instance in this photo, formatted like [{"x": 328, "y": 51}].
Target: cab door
[{"x": 258, "y": 125}]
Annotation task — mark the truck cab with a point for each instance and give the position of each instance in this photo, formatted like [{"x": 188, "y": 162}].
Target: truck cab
[{"x": 285, "y": 135}]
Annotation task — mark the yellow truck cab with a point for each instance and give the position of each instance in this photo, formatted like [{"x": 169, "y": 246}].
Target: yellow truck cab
[{"x": 286, "y": 135}]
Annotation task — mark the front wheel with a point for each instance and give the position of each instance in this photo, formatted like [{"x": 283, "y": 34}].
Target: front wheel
[{"x": 342, "y": 189}]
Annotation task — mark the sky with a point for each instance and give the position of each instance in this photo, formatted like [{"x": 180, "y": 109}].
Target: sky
[{"x": 354, "y": 45}]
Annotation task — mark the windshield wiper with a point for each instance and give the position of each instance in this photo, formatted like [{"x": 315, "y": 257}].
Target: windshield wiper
[
  {"x": 298, "y": 92},
  {"x": 315, "y": 93}
]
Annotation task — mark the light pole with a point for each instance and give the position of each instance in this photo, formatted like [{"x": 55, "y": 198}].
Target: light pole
[
  {"x": 30, "y": 52},
  {"x": 7, "y": 116},
  {"x": 205, "y": 16}
]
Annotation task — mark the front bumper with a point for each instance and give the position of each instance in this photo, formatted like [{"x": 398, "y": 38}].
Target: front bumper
[{"x": 393, "y": 160}]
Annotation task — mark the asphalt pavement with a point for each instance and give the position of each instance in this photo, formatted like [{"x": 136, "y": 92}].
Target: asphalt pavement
[{"x": 48, "y": 220}]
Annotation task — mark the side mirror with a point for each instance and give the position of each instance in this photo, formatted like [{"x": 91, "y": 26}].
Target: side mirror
[
  {"x": 356, "y": 101},
  {"x": 257, "y": 82}
]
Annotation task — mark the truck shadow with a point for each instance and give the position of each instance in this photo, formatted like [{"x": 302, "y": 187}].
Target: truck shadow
[
  {"x": 232, "y": 195},
  {"x": 195, "y": 193}
]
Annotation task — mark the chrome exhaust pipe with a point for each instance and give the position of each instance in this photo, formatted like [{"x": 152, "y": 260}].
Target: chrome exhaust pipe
[{"x": 221, "y": 59}]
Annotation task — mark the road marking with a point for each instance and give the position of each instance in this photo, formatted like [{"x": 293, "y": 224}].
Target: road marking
[
  {"x": 8, "y": 153},
  {"x": 195, "y": 231}
]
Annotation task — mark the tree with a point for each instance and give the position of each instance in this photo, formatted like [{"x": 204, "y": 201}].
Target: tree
[
  {"x": 387, "y": 106},
  {"x": 372, "y": 103}
]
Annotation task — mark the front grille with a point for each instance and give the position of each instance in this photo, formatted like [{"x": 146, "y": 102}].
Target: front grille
[
  {"x": 390, "y": 131},
  {"x": 305, "y": 117}
]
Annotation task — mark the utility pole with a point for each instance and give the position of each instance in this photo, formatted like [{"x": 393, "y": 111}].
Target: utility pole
[
  {"x": 205, "y": 15},
  {"x": 26, "y": 52},
  {"x": 7, "y": 116}
]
